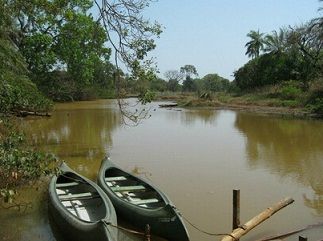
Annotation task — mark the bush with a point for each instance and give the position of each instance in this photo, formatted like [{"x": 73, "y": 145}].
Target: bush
[
  {"x": 315, "y": 99},
  {"x": 19, "y": 163},
  {"x": 290, "y": 91}
]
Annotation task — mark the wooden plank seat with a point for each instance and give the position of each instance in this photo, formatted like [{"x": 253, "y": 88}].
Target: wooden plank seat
[
  {"x": 67, "y": 184},
  {"x": 111, "y": 179},
  {"x": 128, "y": 188},
  {"x": 145, "y": 201},
  {"x": 78, "y": 196},
  {"x": 77, "y": 209}
]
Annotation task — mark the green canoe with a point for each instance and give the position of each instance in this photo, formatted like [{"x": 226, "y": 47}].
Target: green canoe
[
  {"x": 80, "y": 209},
  {"x": 140, "y": 203}
]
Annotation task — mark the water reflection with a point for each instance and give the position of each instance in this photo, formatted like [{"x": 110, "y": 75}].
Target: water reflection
[
  {"x": 20, "y": 225},
  {"x": 289, "y": 148},
  {"x": 75, "y": 132},
  {"x": 195, "y": 156},
  {"x": 205, "y": 116}
]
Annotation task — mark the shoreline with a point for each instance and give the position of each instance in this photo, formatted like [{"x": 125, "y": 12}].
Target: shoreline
[{"x": 297, "y": 112}]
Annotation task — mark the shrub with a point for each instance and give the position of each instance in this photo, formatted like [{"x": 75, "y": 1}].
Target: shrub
[
  {"x": 288, "y": 90},
  {"x": 19, "y": 163},
  {"x": 315, "y": 99}
]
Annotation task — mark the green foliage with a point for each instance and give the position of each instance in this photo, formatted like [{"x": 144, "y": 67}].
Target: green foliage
[
  {"x": 290, "y": 54},
  {"x": 189, "y": 71},
  {"x": 189, "y": 85},
  {"x": 38, "y": 50},
  {"x": 276, "y": 42},
  {"x": 158, "y": 84},
  {"x": 19, "y": 163},
  {"x": 131, "y": 36},
  {"x": 173, "y": 85},
  {"x": 315, "y": 98},
  {"x": 173, "y": 78},
  {"x": 255, "y": 45},
  {"x": 268, "y": 69},
  {"x": 213, "y": 83},
  {"x": 290, "y": 91},
  {"x": 147, "y": 97},
  {"x": 56, "y": 37},
  {"x": 17, "y": 92},
  {"x": 81, "y": 46}
]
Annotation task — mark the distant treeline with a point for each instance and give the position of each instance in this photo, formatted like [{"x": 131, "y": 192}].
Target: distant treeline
[
  {"x": 290, "y": 59},
  {"x": 57, "y": 47}
]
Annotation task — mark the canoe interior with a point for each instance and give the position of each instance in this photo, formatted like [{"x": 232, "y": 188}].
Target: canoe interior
[
  {"x": 80, "y": 198},
  {"x": 133, "y": 190}
]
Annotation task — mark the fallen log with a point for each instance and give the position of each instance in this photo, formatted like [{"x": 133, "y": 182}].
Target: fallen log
[
  {"x": 24, "y": 113},
  {"x": 168, "y": 105},
  {"x": 289, "y": 233},
  {"x": 255, "y": 221}
]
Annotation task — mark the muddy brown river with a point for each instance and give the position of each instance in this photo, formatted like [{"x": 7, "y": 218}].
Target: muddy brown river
[{"x": 196, "y": 156}]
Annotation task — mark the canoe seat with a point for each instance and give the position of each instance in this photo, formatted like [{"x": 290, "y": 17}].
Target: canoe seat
[
  {"x": 84, "y": 195},
  {"x": 82, "y": 213},
  {"x": 67, "y": 184},
  {"x": 111, "y": 179},
  {"x": 128, "y": 188},
  {"x": 77, "y": 209},
  {"x": 145, "y": 201}
]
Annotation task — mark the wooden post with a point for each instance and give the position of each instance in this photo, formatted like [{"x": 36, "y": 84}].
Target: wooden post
[
  {"x": 301, "y": 238},
  {"x": 236, "y": 209},
  {"x": 244, "y": 229},
  {"x": 147, "y": 232}
]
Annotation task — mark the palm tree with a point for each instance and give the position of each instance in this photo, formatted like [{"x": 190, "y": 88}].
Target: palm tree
[
  {"x": 255, "y": 45},
  {"x": 276, "y": 42}
]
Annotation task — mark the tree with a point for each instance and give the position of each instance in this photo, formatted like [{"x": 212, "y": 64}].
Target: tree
[
  {"x": 276, "y": 42},
  {"x": 188, "y": 83},
  {"x": 39, "y": 25},
  {"x": 17, "y": 92},
  {"x": 158, "y": 84},
  {"x": 255, "y": 45},
  {"x": 308, "y": 40},
  {"x": 80, "y": 45},
  {"x": 173, "y": 77},
  {"x": 214, "y": 83},
  {"x": 62, "y": 35},
  {"x": 129, "y": 34},
  {"x": 189, "y": 71}
]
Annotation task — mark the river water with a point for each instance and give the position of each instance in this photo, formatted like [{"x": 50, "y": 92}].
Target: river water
[{"x": 196, "y": 156}]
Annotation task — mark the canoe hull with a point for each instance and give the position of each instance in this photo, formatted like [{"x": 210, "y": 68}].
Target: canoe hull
[
  {"x": 165, "y": 221},
  {"x": 73, "y": 228}
]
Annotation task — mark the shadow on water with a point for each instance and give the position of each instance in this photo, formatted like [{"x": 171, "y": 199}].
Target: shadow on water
[
  {"x": 289, "y": 148},
  {"x": 122, "y": 235}
]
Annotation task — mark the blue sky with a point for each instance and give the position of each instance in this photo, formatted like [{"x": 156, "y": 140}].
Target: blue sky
[{"x": 211, "y": 34}]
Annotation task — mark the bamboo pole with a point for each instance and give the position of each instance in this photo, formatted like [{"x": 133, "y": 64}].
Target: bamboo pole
[{"x": 255, "y": 221}]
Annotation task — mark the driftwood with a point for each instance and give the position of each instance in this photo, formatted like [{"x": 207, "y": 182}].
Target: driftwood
[
  {"x": 244, "y": 229},
  {"x": 24, "y": 113},
  {"x": 284, "y": 235},
  {"x": 167, "y": 105}
]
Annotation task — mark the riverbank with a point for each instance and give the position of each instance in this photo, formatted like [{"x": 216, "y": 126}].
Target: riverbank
[{"x": 256, "y": 103}]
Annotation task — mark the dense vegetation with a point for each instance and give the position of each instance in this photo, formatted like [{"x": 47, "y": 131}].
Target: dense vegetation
[
  {"x": 285, "y": 70},
  {"x": 289, "y": 59},
  {"x": 56, "y": 50}
]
